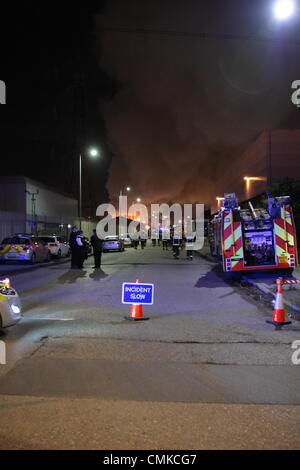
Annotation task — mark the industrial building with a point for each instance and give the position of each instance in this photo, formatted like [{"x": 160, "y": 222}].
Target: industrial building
[
  {"x": 275, "y": 154},
  {"x": 33, "y": 207}
]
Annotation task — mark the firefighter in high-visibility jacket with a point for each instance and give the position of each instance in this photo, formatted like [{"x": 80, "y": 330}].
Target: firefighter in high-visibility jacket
[
  {"x": 176, "y": 244},
  {"x": 189, "y": 247}
]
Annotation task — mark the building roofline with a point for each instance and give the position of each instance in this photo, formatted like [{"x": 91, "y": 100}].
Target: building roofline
[{"x": 23, "y": 179}]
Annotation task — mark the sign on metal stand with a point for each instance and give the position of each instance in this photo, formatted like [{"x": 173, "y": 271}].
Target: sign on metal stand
[{"x": 137, "y": 293}]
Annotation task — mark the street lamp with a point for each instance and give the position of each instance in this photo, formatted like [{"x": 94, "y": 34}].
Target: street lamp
[
  {"x": 126, "y": 188},
  {"x": 92, "y": 153},
  {"x": 219, "y": 199},
  {"x": 284, "y": 9},
  {"x": 138, "y": 199},
  {"x": 122, "y": 204},
  {"x": 248, "y": 180},
  {"x": 254, "y": 178}
]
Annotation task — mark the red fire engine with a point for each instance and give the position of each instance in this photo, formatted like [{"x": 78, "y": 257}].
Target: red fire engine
[{"x": 254, "y": 239}]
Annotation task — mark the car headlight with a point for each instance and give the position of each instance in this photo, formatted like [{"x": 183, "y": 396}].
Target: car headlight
[{"x": 15, "y": 309}]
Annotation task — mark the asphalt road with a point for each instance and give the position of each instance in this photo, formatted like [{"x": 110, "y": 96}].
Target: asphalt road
[{"x": 204, "y": 371}]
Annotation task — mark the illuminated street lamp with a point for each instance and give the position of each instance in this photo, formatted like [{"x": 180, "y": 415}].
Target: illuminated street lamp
[
  {"x": 254, "y": 178},
  {"x": 92, "y": 153},
  {"x": 138, "y": 199},
  {"x": 126, "y": 188},
  {"x": 219, "y": 199},
  {"x": 248, "y": 180},
  {"x": 284, "y": 9}
]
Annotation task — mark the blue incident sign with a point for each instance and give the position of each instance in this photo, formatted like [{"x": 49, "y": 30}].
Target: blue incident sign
[{"x": 136, "y": 293}]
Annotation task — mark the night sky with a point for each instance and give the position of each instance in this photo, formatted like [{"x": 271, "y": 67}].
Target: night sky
[
  {"x": 54, "y": 89},
  {"x": 168, "y": 108},
  {"x": 189, "y": 105}
]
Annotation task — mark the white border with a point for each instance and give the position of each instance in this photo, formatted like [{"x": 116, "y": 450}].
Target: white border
[{"x": 137, "y": 284}]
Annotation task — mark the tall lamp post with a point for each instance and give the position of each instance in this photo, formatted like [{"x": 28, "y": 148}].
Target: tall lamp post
[
  {"x": 33, "y": 209},
  {"x": 92, "y": 153},
  {"x": 123, "y": 207}
]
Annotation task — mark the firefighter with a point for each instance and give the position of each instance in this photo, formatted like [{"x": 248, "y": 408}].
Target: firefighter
[
  {"x": 165, "y": 244},
  {"x": 176, "y": 243},
  {"x": 189, "y": 246},
  {"x": 135, "y": 241}
]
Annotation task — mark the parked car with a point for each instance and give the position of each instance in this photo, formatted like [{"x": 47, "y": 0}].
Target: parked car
[
  {"x": 10, "y": 305},
  {"x": 112, "y": 243},
  {"x": 23, "y": 248},
  {"x": 58, "y": 246},
  {"x": 126, "y": 240}
]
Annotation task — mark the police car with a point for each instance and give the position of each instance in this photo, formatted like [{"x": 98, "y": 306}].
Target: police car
[
  {"x": 23, "y": 247},
  {"x": 10, "y": 305}
]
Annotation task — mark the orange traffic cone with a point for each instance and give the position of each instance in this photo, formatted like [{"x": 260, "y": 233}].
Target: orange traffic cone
[
  {"x": 136, "y": 312},
  {"x": 278, "y": 319}
]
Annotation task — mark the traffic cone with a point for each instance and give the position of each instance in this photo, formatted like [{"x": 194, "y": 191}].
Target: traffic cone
[
  {"x": 278, "y": 319},
  {"x": 136, "y": 312}
]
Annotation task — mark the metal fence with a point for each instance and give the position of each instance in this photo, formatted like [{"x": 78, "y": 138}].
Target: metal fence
[{"x": 14, "y": 222}]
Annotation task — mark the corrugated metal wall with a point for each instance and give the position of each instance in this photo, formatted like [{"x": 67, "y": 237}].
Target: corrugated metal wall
[
  {"x": 87, "y": 227},
  {"x": 14, "y": 222},
  {"x": 11, "y": 223}
]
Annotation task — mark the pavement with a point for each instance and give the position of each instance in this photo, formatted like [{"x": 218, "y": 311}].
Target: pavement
[
  {"x": 205, "y": 371},
  {"x": 11, "y": 268},
  {"x": 266, "y": 283}
]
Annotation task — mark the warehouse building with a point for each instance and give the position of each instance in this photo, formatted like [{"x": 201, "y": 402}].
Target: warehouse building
[
  {"x": 275, "y": 154},
  {"x": 32, "y": 207}
]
